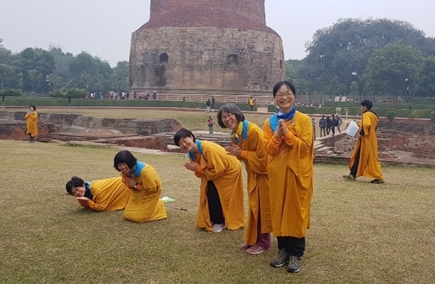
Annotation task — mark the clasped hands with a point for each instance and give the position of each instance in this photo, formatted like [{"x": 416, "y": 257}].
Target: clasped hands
[
  {"x": 191, "y": 166},
  {"x": 282, "y": 128},
  {"x": 234, "y": 150}
]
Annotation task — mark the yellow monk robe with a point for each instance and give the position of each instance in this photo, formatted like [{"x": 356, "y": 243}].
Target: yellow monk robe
[
  {"x": 32, "y": 123},
  {"x": 369, "y": 165},
  {"x": 226, "y": 173},
  {"x": 108, "y": 195},
  {"x": 145, "y": 204},
  {"x": 250, "y": 139},
  {"x": 290, "y": 167}
]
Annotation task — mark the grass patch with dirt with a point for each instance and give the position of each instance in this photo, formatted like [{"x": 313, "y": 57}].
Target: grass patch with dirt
[{"x": 360, "y": 232}]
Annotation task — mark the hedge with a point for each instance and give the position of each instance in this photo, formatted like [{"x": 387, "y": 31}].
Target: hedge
[{"x": 26, "y": 101}]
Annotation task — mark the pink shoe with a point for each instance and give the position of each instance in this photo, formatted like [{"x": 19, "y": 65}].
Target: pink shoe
[
  {"x": 256, "y": 249},
  {"x": 244, "y": 246}
]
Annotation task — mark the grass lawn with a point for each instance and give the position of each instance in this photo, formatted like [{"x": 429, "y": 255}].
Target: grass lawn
[{"x": 360, "y": 232}]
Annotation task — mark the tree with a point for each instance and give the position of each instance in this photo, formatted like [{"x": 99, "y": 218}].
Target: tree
[
  {"x": 34, "y": 76},
  {"x": 120, "y": 77},
  {"x": 392, "y": 68},
  {"x": 335, "y": 87},
  {"x": 426, "y": 81},
  {"x": 9, "y": 93},
  {"x": 354, "y": 88},
  {"x": 6, "y": 73},
  {"x": 73, "y": 93},
  {"x": 346, "y": 47}
]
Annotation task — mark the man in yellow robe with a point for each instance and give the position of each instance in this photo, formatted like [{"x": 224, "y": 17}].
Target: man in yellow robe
[
  {"x": 145, "y": 204},
  {"x": 108, "y": 194},
  {"x": 248, "y": 146},
  {"x": 221, "y": 191},
  {"x": 289, "y": 143},
  {"x": 364, "y": 160},
  {"x": 32, "y": 123}
]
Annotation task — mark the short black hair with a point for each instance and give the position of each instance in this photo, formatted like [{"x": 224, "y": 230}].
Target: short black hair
[
  {"x": 367, "y": 103},
  {"x": 280, "y": 84},
  {"x": 230, "y": 108},
  {"x": 125, "y": 157},
  {"x": 74, "y": 182},
  {"x": 182, "y": 133},
  {"x": 32, "y": 106}
]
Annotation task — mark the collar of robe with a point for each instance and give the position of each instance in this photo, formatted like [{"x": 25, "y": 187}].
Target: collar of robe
[
  {"x": 242, "y": 130},
  {"x": 88, "y": 192},
  {"x": 138, "y": 168},
  {"x": 273, "y": 120},
  {"x": 191, "y": 154}
]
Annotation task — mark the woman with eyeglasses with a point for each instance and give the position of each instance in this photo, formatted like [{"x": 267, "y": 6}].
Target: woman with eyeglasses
[
  {"x": 248, "y": 146},
  {"x": 221, "y": 190},
  {"x": 289, "y": 144}
]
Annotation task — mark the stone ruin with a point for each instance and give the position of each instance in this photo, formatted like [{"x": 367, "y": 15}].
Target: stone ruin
[{"x": 207, "y": 47}]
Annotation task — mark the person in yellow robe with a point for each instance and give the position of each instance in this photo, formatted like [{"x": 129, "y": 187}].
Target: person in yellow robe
[
  {"x": 221, "y": 191},
  {"x": 288, "y": 136},
  {"x": 32, "y": 123},
  {"x": 364, "y": 160},
  {"x": 248, "y": 146},
  {"x": 145, "y": 204},
  {"x": 108, "y": 194}
]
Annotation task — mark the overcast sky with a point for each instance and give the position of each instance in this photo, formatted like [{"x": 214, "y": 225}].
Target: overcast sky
[{"x": 103, "y": 27}]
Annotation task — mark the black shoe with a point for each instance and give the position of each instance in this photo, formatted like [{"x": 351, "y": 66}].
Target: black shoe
[
  {"x": 281, "y": 259},
  {"x": 294, "y": 264},
  {"x": 377, "y": 181}
]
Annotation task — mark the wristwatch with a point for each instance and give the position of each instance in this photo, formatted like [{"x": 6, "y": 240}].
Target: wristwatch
[{"x": 135, "y": 186}]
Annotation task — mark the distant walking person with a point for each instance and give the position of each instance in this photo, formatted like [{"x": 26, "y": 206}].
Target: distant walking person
[
  {"x": 32, "y": 123},
  {"x": 251, "y": 103},
  {"x": 364, "y": 160},
  {"x": 210, "y": 124},
  {"x": 207, "y": 105},
  {"x": 213, "y": 100},
  {"x": 314, "y": 127},
  {"x": 334, "y": 123},
  {"x": 328, "y": 125},
  {"x": 322, "y": 126}
]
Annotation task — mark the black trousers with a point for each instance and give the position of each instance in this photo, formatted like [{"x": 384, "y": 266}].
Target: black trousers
[
  {"x": 354, "y": 167},
  {"x": 294, "y": 246},
  {"x": 214, "y": 204}
]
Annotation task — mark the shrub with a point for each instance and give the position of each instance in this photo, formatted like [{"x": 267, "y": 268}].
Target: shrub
[{"x": 390, "y": 115}]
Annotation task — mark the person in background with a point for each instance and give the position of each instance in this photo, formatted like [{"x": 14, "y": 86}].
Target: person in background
[
  {"x": 289, "y": 142},
  {"x": 248, "y": 146},
  {"x": 322, "y": 126},
  {"x": 213, "y": 101},
  {"x": 207, "y": 105},
  {"x": 100, "y": 195},
  {"x": 221, "y": 189},
  {"x": 251, "y": 103},
  {"x": 314, "y": 127},
  {"x": 210, "y": 124},
  {"x": 32, "y": 123},
  {"x": 145, "y": 204},
  {"x": 364, "y": 160}
]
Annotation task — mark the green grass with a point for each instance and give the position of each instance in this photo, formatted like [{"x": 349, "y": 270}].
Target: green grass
[{"x": 360, "y": 232}]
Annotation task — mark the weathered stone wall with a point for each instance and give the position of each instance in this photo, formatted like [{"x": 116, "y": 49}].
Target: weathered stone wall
[
  {"x": 16, "y": 130},
  {"x": 205, "y": 46}
]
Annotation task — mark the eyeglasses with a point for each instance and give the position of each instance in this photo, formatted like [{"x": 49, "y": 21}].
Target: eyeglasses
[
  {"x": 281, "y": 95},
  {"x": 225, "y": 117}
]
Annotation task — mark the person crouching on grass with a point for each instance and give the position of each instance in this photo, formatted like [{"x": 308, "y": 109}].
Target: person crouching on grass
[
  {"x": 221, "y": 190},
  {"x": 145, "y": 204},
  {"x": 289, "y": 142},
  {"x": 108, "y": 194},
  {"x": 248, "y": 146}
]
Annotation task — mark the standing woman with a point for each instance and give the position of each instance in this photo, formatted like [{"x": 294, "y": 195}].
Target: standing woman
[
  {"x": 32, "y": 123},
  {"x": 221, "y": 192},
  {"x": 248, "y": 146},
  {"x": 145, "y": 204},
  {"x": 289, "y": 142}
]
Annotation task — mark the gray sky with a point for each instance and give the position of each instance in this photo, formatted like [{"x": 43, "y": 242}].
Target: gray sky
[{"x": 103, "y": 27}]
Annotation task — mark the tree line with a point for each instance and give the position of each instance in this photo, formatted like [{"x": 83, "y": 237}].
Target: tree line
[
  {"x": 373, "y": 57},
  {"x": 35, "y": 70}
]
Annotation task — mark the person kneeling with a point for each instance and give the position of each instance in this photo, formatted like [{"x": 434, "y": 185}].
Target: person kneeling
[{"x": 145, "y": 204}]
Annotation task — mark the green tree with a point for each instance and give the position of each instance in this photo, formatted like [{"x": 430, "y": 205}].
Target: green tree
[
  {"x": 9, "y": 93},
  {"x": 34, "y": 76},
  {"x": 335, "y": 87},
  {"x": 69, "y": 93},
  {"x": 426, "y": 80},
  {"x": 392, "y": 68},
  {"x": 354, "y": 89},
  {"x": 6, "y": 73},
  {"x": 120, "y": 77}
]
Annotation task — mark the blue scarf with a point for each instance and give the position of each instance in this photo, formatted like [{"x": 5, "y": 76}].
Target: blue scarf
[
  {"x": 273, "y": 120},
  {"x": 244, "y": 132},
  {"x": 138, "y": 168},
  {"x": 88, "y": 192},
  {"x": 191, "y": 154}
]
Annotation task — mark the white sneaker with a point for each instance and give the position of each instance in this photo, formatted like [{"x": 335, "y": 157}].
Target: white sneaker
[{"x": 217, "y": 228}]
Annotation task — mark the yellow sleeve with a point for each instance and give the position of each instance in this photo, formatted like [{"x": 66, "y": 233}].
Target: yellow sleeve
[
  {"x": 149, "y": 180},
  {"x": 271, "y": 141},
  {"x": 366, "y": 123},
  {"x": 212, "y": 164},
  {"x": 255, "y": 152}
]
